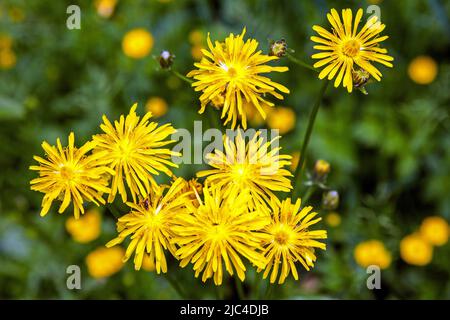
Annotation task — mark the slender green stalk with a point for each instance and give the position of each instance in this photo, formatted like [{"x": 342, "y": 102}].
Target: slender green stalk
[
  {"x": 179, "y": 75},
  {"x": 309, "y": 192},
  {"x": 312, "y": 118},
  {"x": 239, "y": 288},
  {"x": 175, "y": 285},
  {"x": 300, "y": 62}
]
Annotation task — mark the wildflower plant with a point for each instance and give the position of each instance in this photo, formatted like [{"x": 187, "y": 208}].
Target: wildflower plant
[{"x": 242, "y": 212}]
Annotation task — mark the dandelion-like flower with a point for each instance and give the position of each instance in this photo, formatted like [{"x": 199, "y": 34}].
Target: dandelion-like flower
[
  {"x": 288, "y": 240},
  {"x": 150, "y": 225},
  {"x": 71, "y": 175},
  {"x": 249, "y": 166},
  {"x": 346, "y": 49},
  {"x": 232, "y": 69},
  {"x": 217, "y": 234},
  {"x": 134, "y": 148}
]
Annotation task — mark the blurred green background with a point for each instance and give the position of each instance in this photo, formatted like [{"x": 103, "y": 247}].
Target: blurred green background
[{"x": 389, "y": 151}]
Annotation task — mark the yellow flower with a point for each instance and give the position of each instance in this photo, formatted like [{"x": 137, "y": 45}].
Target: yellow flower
[
  {"x": 148, "y": 264},
  {"x": 137, "y": 43},
  {"x": 194, "y": 189},
  {"x": 105, "y": 8},
  {"x": 157, "y": 106},
  {"x": 7, "y": 59},
  {"x": 69, "y": 174},
  {"x": 415, "y": 250},
  {"x": 218, "y": 233},
  {"x": 321, "y": 168},
  {"x": 134, "y": 150},
  {"x": 253, "y": 115},
  {"x": 196, "y": 37},
  {"x": 435, "y": 230},
  {"x": 281, "y": 118},
  {"x": 333, "y": 219},
  {"x": 345, "y": 49},
  {"x": 196, "y": 52},
  {"x": 85, "y": 229},
  {"x": 372, "y": 252},
  {"x": 5, "y": 42},
  {"x": 150, "y": 224},
  {"x": 288, "y": 240},
  {"x": 295, "y": 160},
  {"x": 232, "y": 69},
  {"x": 250, "y": 166},
  {"x": 423, "y": 70},
  {"x": 104, "y": 262}
]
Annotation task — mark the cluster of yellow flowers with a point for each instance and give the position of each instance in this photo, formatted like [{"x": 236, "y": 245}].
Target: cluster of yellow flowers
[
  {"x": 7, "y": 55},
  {"x": 236, "y": 213}
]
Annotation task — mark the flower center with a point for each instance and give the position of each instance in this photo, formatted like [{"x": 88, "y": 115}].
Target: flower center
[
  {"x": 125, "y": 148},
  {"x": 281, "y": 237},
  {"x": 66, "y": 173},
  {"x": 232, "y": 72},
  {"x": 351, "y": 48}
]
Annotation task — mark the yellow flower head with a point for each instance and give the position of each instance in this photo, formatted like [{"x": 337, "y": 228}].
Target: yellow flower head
[
  {"x": 415, "y": 250},
  {"x": 150, "y": 225},
  {"x": 105, "y": 8},
  {"x": 7, "y": 59},
  {"x": 333, "y": 219},
  {"x": 137, "y": 43},
  {"x": 218, "y": 233},
  {"x": 423, "y": 70},
  {"x": 104, "y": 262},
  {"x": 157, "y": 106},
  {"x": 85, "y": 229},
  {"x": 251, "y": 166},
  {"x": 435, "y": 230},
  {"x": 372, "y": 252},
  {"x": 345, "y": 49},
  {"x": 282, "y": 118},
  {"x": 133, "y": 147},
  {"x": 70, "y": 175},
  {"x": 288, "y": 240},
  {"x": 232, "y": 69}
]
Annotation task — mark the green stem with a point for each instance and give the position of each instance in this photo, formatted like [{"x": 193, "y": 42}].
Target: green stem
[
  {"x": 312, "y": 118},
  {"x": 175, "y": 285},
  {"x": 239, "y": 288},
  {"x": 184, "y": 78},
  {"x": 300, "y": 62},
  {"x": 308, "y": 194}
]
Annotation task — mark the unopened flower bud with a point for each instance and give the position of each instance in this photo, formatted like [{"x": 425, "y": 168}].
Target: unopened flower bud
[
  {"x": 166, "y": 59},
  {"x": 321, "y": 168},
  {"x": 330, "y": 200},
  {"x": 278, "y": 48},
  {"x": 360, "y": 79}
]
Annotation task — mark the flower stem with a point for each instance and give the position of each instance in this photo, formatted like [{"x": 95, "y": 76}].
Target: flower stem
[
  {"x": 179, "y": 75},
  {"x": 175, "y": 285},
  {"x": 300, "y": 62},
  {"x": 312, "y": 118},
  {"x": 239, "y": 288}
]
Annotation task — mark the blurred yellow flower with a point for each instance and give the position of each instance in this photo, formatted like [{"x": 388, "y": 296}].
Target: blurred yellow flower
[
  {"x": 415, "y": 250},
  {"x": 288, "y": 239},
  {"x": 157, "y": 106},
  {"x": 137, "y": 43},
  {"x": 294, "y": 161},
  {"x": 333, "y": 219},
  {"x": 233, "y": 69},
  {"x": 196, "y": 37},
  {"x": 16, "y": 14},
  {"x": 372, "y": 252},
  {"x": 422, "y": 70},
  {"x": 196, "y": 52},
  {"x": 435, "y": 230},
  {"x": 281, "y": 118},
  {"x": 104, "y": 262},
  {"x": 254, "y": 117},
  {"x": 87, "y": 228},
  {"x": 321, "y": 167},
  {"x": 7, "y": 59},
  {"x": 148, "y": 264},
  {"x": 5, "y": 42},
  {"x": 344, "y": 49},
  {"x": 105, "y": 8}
]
